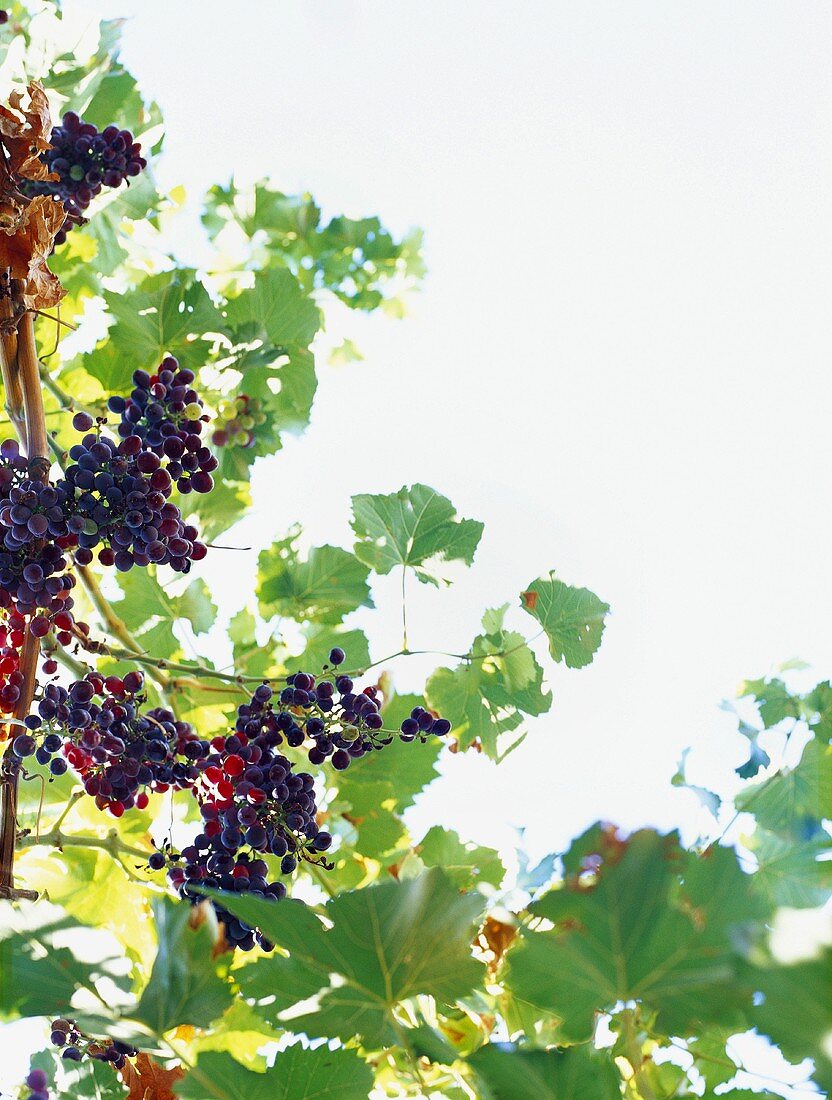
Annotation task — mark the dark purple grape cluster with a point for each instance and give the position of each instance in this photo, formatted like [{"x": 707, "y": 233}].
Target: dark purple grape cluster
[
  {"x": 75, "y": 1045},
  {"x": 253, "y": 804},
  {"x": 38, "y": 1084},
  {"x": 167, "y": 414},
  {"x": 33, "y": 536},
  {"x": 116, "y": 494},
  {"x": 119, "y": 750},
  {"x": 84, "y": 161},
  {"x": 334, "y": 720}
]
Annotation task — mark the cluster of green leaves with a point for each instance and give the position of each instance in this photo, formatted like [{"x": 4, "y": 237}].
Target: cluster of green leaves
[{"x": 622, "y": 967}]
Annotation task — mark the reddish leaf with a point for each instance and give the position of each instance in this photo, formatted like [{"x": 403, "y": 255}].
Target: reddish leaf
[
  {"x": 148, "y": 1080},
  {"x": 529, "y": 600}
]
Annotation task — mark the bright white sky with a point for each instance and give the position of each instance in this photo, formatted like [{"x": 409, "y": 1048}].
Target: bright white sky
[{"x": 620, "y": 359}]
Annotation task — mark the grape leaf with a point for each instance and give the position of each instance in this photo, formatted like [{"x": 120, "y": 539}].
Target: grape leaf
[
  {"x": 796, "y": 1011},
  {"x": 774, "y": 700},
  {"x": 320, "y": 641},
  {"x": 489, "y": 695},
  {"x": 465, "y": 864},
  {"x": 38, "y": 978},
  {"x": 573, "y": 619},
  {"x": 415, "y": 528},
  {"x": 786, "y": 801},
  {"x": 649, "y": 923},
  {"x": 277, "y": 306},
  {"x": 184, "y": 987},
  {"x": 711, "y": 1057},
  {"x": 298, "y": 1074},
  {"x": 791, "y": 873},
  {"x": 387, "y": 943},
  {"x": 510, "y": 1073},
  {"x": 324, "y": 588},
  {"x": 168, "y": 313},
  {"x": 195, "y": 605}
]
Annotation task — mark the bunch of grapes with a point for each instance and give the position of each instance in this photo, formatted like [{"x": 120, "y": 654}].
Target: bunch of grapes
[
  {"x": 236, "y": 421},
  {"x": 117, "y": 495},
  {"x": 75, "y": 1045},
  {"x": 38, "y": 1084},
  {"x": 83, "y": 161},
  {"x": 166, "y": 413},
  {"x": 332, "y": 719},
  {"x": 119, "y": 751},
  {"x": 252, "y": 804},
  {"x": 33, "y": 537}
]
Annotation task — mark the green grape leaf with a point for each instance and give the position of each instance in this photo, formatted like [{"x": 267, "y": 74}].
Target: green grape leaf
[
  {"x": 220, "y": 509},
  {"x": 298, "y": 1074},
  {"x": 415, "y": 528},
  {"x": 195, "y": 605},
  {"x": 184, "y": 987},
  {"x": 387, "y": 942},
  {"x": 711, "y": 1057},
  {"x": 395, "y": 775},
  {"x": 90, "y": 885},
  {"x": 324, "y": 588},
  {"x": 647, "y": 922},
  {"x": 87, "y": 1080},
  {"x": 774, "y": 700},
  {"x": 38, "y": 978},
  {"x": 250, "y": 658},
  {"x": 277, "y": 305},
  {"x": 509, "y": 1073},
  {"x": 573, "y": 619},
  {"x": 490, "y": 694},
  {"x": 240, "y": 1031},
  {"x": 464, "y": 863},
  {"x": 320, "y": 640},
  {"x": 168, "y": 313},
  {"x": 785, "y": 802},
  {"x": 796, "y": 1011},
  {"x": 791, "y": 873}
]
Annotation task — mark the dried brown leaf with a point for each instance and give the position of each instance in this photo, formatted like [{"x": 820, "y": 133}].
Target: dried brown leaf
[
  {"x": 148, "y": 1080},
  {"x": 27, "y": 237},
  {"x": 494, "y": 940},
  {"x": 25, "y": 138}
]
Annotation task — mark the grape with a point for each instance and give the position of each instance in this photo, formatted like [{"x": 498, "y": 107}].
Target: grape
[
  {"x": 23, "y": 745},
  {"x": 77, "y": 1045},
  {"x": 4, "y": 16},
  {"x": 236, "y": 421},
  {"x": 115, "y": 496},
  {"x": 165, "y": 413},
  {"x": 337, "y": 656},
  {"x": 119, "y": 751},
  {"x": 84, "y": 161}
]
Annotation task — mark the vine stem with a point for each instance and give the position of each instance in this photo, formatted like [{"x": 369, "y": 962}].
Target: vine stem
[
  {"x": 8, "y": 366},
  {"x": 27, "y": 375},
  {"x": 55, "y": 838}
]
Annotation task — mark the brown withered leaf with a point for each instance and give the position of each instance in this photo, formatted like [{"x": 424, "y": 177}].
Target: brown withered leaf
[
  {"x": 26, "y": 240},
  {"x": 529, "y": 600},
  {"x": 494, "y": 939},
  {"x": 148, "y": 1080},
  {"x": 24, "y": 139}
]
